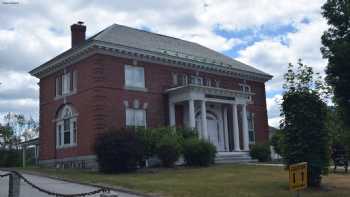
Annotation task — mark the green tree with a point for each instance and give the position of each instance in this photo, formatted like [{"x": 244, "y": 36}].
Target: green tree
[
  {"x": 6, "y": 136},
  {"x": 277, "y": 142},
  {"x": 336, "y": 48},
  {"x": 339, "y": 133},
  {"x": 304, "y": 115}
]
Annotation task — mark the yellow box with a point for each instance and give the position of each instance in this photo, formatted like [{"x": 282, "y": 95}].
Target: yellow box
[{"x": 298, "y": 176}]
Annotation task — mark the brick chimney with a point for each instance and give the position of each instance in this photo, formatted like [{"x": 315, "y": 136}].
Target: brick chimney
[{"x": 78, "y": 33}]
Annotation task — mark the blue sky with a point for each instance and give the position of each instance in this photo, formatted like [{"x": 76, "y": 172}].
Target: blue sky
[{"x": 265, "y": 34}]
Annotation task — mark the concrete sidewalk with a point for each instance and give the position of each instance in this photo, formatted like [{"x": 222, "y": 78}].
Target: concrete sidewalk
[{"x": 51, "y": 185}]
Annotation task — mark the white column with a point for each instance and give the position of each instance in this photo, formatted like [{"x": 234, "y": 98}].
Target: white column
[
  {"x": 245, "y": 128},
  {"x": 235, "y": 128},
  {"x": 172, "y": 114},
  {"x": 227, "y": 146},
  {"x": 191, "y": 114},
  {"x": 204, "y": 120}
]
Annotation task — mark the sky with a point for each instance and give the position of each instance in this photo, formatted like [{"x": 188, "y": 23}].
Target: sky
[{"x": 266, "y": 34}]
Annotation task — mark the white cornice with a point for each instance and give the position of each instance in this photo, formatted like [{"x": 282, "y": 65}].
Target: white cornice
[
  {"x": 209, "y": 90},
  {"x": 97, "y": 47}
]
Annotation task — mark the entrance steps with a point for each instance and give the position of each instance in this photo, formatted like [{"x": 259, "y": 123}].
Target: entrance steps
[{"x": 233, "y": 157}]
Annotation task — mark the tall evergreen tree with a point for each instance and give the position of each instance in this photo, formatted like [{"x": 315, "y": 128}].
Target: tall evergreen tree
[
  {"x": 336, "y": 48},
  {"x": 304, "y": 113}
]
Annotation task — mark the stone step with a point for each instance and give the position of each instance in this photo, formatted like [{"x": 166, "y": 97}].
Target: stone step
[
  {"x": 222, "y": 158},
  {"x": 236, "y": 161},
  {"x": 233, "y": 157}
]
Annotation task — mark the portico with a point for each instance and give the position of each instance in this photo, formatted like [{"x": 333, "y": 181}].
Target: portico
[{"x": 214, "y": 113}]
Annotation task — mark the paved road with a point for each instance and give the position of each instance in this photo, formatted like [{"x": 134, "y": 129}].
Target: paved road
[{"x": 51, "y": 185}]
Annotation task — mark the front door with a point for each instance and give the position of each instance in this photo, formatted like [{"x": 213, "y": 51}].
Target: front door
[{"x": 215, "y": 135}]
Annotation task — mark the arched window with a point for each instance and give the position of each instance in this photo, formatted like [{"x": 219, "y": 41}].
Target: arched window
[{"x": 66, "y": 127}]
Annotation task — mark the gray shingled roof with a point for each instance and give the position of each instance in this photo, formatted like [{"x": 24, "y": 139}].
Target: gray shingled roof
[{"x": 127, "y": 36}]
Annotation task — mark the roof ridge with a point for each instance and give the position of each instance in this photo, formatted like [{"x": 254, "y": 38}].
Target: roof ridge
[
  {"x": 158, "y": 34},
  {"x": 150, "y": 32},
  {"x": 180, "y": 46}
]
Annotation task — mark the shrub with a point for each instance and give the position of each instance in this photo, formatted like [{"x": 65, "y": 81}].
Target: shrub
[
  {"x": 261, "y": 152},
  {"x": 186, "y": 133},
  {"x": 119, "y": 151},
  {"x": 198, "y": 152},
  {"x": 10, "y": 158},
  {"x": 304, "y": 114},
  {"x": 149, "y": 139},
  {"x": 152, "y": 136},
  {"x": 277, "y": 142},
  {"x": 169, "y": 150}
]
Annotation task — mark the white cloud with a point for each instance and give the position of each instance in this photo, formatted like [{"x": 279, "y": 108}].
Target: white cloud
[
  {"x": 19, "y": 103},
  {"x": 233, "y": 15},
  {"x": 273, "y": 55},
  {"x": 33, "y": 32},
  {"x": 275, "y": 122},
  {"x": 19, "y": 93},
  {"x": 273, "y": 108},
  {"x": 17, "y": 84}
]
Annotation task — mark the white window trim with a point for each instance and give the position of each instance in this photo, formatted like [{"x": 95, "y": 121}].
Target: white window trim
[
  {"x": 134, "y": 119},
  {"x": 66, "y": 113},
  {"x": 71, "y": 130},
  {"x": 66, "y": 84},
  {"x": 217, "y": 83},
  {"x": 242, "y": 88},
  {"x": 197, "y": 80},
  {"x": 175, "y": 79},
  {"x": 130, "y": 85},
  {"x": 66, "y": 80},
  {"x": 252, "y": 129}
]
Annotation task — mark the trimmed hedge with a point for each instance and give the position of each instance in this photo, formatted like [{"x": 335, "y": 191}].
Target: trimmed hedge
[
  {"x": 198, "y": 152},
  {"x": 125, "y": 150},
  {"x": 119, "y": 151},
  {"x": 187, "y": 133},
  {"x": 10, "y": 158},
  {"x": 261, "y": 152},
  {"x": 169, "y": 150}
]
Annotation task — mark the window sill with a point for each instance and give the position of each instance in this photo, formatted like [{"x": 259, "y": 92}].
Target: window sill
[
  {"x": 136, "y": 88},
  {"x": 67, "y": 146},
  {"x": 64, "y": 95}
]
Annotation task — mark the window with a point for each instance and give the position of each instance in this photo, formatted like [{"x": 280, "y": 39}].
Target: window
[
  {"x": 66, "y": 84},
  {"x": 196, "y": 80},
  {"x": 66, "y": 127},
  {"x": 251, "y": 129},
  {"x": 59, "y": 135},
  {"x": 134, "y": 76},
  {"x": 217, "y": 83},
  {"x": 135, "y": 117},
  {"x": 180, "y": 79},
  {"x": 183, "y": 79},
  {"x": 244, "y": 87},
  {"x": 66, "y": 131},
  {"x": 175, "y": 79},
  {"x": 208, "y": 82}
]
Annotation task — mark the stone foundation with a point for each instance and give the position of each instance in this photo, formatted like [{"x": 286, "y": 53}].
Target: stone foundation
[{"x": 81, "y": 162}]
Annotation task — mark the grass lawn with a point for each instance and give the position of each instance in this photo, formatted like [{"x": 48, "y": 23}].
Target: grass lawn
[{"x": 219, "y": 180}]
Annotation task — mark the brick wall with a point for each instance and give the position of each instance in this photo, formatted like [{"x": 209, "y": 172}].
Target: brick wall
[{"x": 100, "y": 101}]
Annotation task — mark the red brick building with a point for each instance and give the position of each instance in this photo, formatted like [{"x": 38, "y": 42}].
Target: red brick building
[{"x": 125, "y": 77}]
